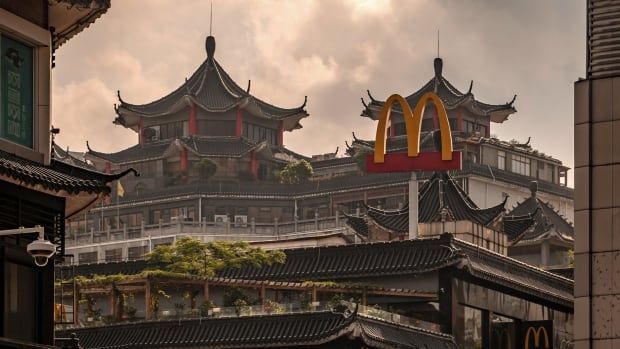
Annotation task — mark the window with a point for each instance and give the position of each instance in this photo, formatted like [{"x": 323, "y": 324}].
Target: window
[
  {"x": 20, "y": 305},
  {"x": 173, "y": 130},
  {"x": 520, "y": 165},
  {"x": 472, "y": 126},
  {"x": 87, "y": 257},
  {"x": 114, "y": 255},
  {"x": 16, "y": 92},
  {"x": 137, "y": 252},
  {"x": 260, "y": 133},
  {"x": 501, "y": 159}
]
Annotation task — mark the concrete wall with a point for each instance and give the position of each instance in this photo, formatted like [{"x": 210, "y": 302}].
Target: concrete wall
[{"x": 597, "y": 213}]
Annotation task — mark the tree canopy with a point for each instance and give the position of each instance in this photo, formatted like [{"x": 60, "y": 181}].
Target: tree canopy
[
  {"x": 194, "y": 257},
  {"x": 296, "y": 172},
  {"x": 205, "y": 169}
]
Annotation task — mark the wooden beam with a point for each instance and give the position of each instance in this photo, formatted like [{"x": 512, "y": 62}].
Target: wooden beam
[
  {"x": 148, "y": 302},
  {"x": 205, "y": 291}
]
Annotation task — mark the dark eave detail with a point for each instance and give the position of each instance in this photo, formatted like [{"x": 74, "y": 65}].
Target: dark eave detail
[
  {"x": 58, "y": 176},
  {"x": 267, "y": 331},
  {"x": 451, "y": 97}
]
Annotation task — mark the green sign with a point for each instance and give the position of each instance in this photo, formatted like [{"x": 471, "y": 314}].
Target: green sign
[{"x": 16, "y": 87}]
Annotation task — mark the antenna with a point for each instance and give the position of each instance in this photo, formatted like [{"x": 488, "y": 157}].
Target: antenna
[
  {"x": 211, "y": 19},
  {"x": 437, "y": 42}
]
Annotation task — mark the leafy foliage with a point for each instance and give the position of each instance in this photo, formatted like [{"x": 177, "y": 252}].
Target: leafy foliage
[
  {"x": 194, "y": 257},
  {"x": 296, "y": 172},
  {"x": 205, "y": 169}
]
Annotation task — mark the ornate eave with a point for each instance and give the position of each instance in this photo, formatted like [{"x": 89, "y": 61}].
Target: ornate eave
[
  {"x": 69, "y": 17},
  {"x": 211, "y": 89},
  {"x": 451, "y": 97}
]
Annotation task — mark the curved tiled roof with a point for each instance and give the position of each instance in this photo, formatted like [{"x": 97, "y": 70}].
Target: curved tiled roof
[
  {"x": 439, "y": 195},
  {"x": 57, "y": 176},
  {"x": 544, "y": 221},
  {"x": 203, "y": 146},
  {"x": 267, "y": 331},
  {"x": 451, "y": 97},
  {"x": 213, "y": 90}
]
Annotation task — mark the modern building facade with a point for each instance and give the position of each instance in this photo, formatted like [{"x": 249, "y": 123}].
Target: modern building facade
[{"x": 597, "y": 182}]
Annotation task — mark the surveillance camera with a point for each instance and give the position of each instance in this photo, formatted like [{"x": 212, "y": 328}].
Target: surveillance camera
[{"x": 41, "y": 250}]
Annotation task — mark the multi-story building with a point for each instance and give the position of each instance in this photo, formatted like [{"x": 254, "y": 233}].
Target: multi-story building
[
  {"x": 37, "y": 191},
  {"x": 211, "y": 117}
]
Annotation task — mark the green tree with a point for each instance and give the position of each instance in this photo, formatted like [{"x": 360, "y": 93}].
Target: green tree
[
  {"x": 194, "y": 257},
  {"x": 296, "y": 172},
  {"x": 205, "y": 169}
]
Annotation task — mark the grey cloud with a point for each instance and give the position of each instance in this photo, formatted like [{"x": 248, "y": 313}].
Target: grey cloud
[{"x": 330, "y": 52}]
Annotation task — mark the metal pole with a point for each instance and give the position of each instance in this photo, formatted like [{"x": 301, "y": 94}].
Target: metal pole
[{"x": 413, "y": 206}]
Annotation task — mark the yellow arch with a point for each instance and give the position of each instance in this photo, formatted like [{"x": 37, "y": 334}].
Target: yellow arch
[
  {"x": 537, "y": 333},
  {"x": 413, "y": 125}
]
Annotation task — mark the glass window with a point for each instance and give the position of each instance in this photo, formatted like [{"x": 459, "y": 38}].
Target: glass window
[
  {"x": 501, "y": 159},
  {"x": 87, "y": 257},
  {"x": 521, "y": 165},
  {"x": 16, "y": 91},
  {"x": 114, "y": 255}
]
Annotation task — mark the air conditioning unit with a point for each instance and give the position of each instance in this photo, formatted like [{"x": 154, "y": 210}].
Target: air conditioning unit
[
  {"x": 241, "y": 220},
  {"x": 151, "y": 133},
  {"x": 220, "y": 219}
]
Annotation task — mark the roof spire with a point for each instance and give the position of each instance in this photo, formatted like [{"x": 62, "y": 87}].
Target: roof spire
[
  {"x": 437, "y": 43},
  {"x": 210, "y": 43},
  {"x": 533, "y": 188},
  {"x": 438, "y": 62}
]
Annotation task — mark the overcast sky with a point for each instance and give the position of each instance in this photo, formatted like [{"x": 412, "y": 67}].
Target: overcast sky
[{"x": 332, "y": 51}]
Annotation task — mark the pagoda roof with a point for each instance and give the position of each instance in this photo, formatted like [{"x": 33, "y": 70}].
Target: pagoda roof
[
  {"x": 262, "y": 331},
  {"x": 81, "y": 186},
  {"x": 200, "y": 146},
  {"x": 439, "y": 197},
  {"x": 451, "y": 97},
  {"x": 213, "y": 90},
  {"x": 534, "y": 220}
]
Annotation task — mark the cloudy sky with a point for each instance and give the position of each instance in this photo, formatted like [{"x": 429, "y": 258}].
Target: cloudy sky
[{"x": 332, "y": 51}]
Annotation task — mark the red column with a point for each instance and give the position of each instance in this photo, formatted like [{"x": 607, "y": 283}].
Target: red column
[
  {"x": 193, "y": 123},
  {"x": 281, "y": 135},
  {"x": 183, "y": 161},
  {"x": 254, "y": 164},
  {"x": 239, "y": 123},
  {"x": 140, "y": 131}
]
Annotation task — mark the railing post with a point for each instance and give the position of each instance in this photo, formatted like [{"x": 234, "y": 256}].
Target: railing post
[
  {"x": 276, "y": 228},
  {"x": 124, "y": 231},
  {"x": 316, "y": 220},
  {"x": 253, "y": 225},
  {"x": 142, "y": 228},
  {"x": 337, "y": 219}
]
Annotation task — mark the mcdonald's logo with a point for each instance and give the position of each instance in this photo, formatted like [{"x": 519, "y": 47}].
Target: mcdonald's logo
[
  {"x": 539, "y": 333},
  {"x": 413, "y": 160}
]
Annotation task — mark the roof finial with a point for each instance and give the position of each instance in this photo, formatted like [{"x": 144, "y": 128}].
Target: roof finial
[
  {"x": 533, "y": 188},
  {"x": 210, "y": 44}
]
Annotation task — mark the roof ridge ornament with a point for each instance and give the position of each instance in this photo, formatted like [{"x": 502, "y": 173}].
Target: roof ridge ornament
[
  {"x": 438, "y": 65},
  {"x": 210, "y": 46},
  {"x": 471, "y": 85}
]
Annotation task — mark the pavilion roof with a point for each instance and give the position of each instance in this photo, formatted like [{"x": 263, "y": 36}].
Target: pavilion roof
[
  {"x": 213, "y": 90},
  {"x": 265, "y": 331},
  {"x": 225, "y": 146},
  {"x": 439, "y": 198},
  {"x": 451, "y": 97},
  {"x": 534, "y": 219}
]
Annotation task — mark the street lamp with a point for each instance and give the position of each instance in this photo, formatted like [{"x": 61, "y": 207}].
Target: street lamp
[{"x": 40, "y": 249}]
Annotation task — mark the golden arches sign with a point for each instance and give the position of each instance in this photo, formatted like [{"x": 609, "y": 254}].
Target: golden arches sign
[
  {"x": 413, "y": 125},
  {"x": 537, "y": 334}
]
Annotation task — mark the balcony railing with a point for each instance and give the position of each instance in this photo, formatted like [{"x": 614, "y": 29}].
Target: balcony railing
[
  {"x": 229, "y": 230},
  {"x": 259, "y": 310}
]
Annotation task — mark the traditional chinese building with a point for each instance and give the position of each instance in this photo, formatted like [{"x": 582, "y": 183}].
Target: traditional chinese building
[{"x": 211, "y": 117}]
